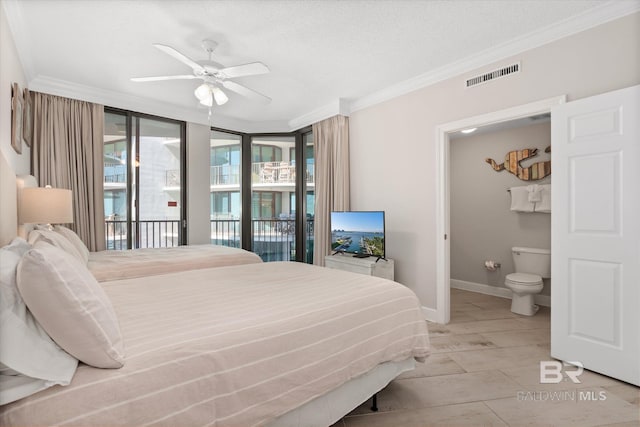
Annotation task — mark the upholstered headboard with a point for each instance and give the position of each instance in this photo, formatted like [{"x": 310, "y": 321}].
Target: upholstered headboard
[
  {"x": 9, "y": 202},
  {"x": 24, "y": 181},
  {"x": 10, "y": 191}
]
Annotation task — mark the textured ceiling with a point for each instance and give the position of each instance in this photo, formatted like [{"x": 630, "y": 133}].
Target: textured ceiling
[{"x": 321, "y": 53}]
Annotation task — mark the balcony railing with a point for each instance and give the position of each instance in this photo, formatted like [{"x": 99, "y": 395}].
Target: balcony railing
[
  {"x": 278, "y": 173},
  {"x": 115, "y": 173},
  {"x": 273, "y": 239},
  {"x": 225, "y": 175},
  {"x": 149, "y": 234},
  {"x": 261, "y": 173}
]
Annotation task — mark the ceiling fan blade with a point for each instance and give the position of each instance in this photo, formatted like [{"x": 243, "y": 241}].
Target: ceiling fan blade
[
  {"x": 245, "y": 91},
  {"x": 250, "y": 69},
  {"x": 180, "y": 57},
  {"x": 161, "y": 78}
]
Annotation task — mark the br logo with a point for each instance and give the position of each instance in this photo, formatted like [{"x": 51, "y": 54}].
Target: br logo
[{"x": 551, "y": 371}]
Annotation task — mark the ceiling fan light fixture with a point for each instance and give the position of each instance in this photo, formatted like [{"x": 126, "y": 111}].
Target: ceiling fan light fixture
[
  {"x": 203, "y": 92},
  {"x": 207, "y": 102},
  {"x": 207, "y": 92},
  {"x": 219, "y": 95},
  {"x": 214, "y": 76}
]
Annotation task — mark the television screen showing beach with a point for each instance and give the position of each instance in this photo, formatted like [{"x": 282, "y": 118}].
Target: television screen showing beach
[{"x": 358, "y": 232}]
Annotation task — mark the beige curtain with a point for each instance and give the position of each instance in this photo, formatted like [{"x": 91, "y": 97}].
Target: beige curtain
[
  {"x": 67, "y": 152},
  {"x": 331, "y": 146}
]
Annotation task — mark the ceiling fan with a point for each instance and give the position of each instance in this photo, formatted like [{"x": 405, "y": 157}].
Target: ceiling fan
[{"x": 214, "y": 76}]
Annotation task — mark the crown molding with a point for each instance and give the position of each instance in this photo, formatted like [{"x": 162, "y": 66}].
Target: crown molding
[
  {"x": 592, "y": 18},
  {"x": 339, "y": 107},
  {"x": 597, "y": 16},
  {"x": 68, "y": 89}
]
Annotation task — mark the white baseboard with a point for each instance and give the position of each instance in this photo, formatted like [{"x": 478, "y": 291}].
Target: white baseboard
[
  {"x": 430, "y": 314},
  {"x": 544, "y": 300}
]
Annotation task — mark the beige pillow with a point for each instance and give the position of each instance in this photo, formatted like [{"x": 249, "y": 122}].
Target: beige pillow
[
  {"x": 71, "y": 306},
  {"x": 29, "y": 360},
  {"x": 55, "y": 239},
  {"x": 75, "y": 240}
]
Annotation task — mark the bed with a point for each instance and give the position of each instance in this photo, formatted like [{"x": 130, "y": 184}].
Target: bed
[
  {"x": 124, "y": 264},
  {"x": 276, "y": 344},
  {"x": 234, "y": 346}
]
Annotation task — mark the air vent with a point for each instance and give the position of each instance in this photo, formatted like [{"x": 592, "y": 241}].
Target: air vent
[{"x": 492, "y": 75}]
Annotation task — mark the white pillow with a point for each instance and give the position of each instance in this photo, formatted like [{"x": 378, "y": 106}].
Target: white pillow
[
  {"x": 55, "y": 239},
  {"x": 75, "y": 240},
  {"x": 25, "y": 348},
  {"x": 15, "y": 387},
  {"x": 71, "y": 306}
]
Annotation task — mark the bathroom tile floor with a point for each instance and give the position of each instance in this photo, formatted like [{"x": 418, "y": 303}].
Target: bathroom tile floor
[{"x": 484, "y": 371}]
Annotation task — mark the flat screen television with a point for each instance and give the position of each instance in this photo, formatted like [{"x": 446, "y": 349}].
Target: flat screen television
[{"x": 358, "y": 232}]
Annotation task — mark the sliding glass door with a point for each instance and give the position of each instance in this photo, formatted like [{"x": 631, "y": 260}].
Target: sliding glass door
[
  {"x": 225, "y": 179},
  {"x": 116, "y": 179},
  {"x": 143, "y": 178},
  {"x": 157, "y": 202},
  {"x": 273, "y": 181}
]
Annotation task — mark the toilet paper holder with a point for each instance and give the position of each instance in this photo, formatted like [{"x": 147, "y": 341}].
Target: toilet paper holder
[{"x": 491, "y": 265}]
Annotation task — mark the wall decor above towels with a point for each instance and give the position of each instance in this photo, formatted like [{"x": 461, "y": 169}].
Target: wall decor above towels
[
  {"x": 512, "y": 161},
  {"x": 16, "y": 118}
]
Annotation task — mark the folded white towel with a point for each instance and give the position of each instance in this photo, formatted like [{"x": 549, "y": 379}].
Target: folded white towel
[
  {"x": 520, "y": 200},
  {"x": 534, "y": 193},
  {"x": 544, "y": 205}
]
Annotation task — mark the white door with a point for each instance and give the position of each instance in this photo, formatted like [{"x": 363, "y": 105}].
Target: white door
[{"x": 595, "y": 243}]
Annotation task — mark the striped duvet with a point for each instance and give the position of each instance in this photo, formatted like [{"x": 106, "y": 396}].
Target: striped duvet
[
  {"x": 127, "y": 264},
  {"x": 234, "y": 346}
]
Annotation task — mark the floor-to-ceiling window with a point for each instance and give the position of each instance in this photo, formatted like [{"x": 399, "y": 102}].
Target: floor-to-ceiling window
[
  {"x": 225, "y": 180},
  {"x": 261, "y": 187},
  {"x": 116, "y": 154},
  {"x": 143, "y": 190},
  {"x": 264, "y": 167},
  {"x": 308, "y": 185},
  {"x": 310, "y": 195},
  {"x": 273, "y": 180}
]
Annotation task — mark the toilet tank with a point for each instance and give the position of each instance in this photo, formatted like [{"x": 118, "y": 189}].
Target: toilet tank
[{"x": 532, "y": 260}]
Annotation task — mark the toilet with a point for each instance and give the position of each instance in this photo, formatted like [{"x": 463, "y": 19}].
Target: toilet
[{"x": 532, "y": 265}]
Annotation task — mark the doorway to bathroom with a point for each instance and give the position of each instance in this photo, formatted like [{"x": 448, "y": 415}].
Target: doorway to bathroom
[{"x": 444, "y": 135}]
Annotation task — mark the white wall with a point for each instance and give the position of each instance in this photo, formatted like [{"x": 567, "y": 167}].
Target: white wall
[
  {"x": 198, "y": 190},
  {"x": 482, "y": 225},
  {"x": 10, "y": 72},
  {"x": 393, "y": 143}
]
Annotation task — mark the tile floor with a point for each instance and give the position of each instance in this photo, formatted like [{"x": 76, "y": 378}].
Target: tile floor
[{"x": 484, "y": 371}]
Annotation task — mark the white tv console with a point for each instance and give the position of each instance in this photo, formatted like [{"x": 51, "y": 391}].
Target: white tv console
[{"x": 382, "y": 268}]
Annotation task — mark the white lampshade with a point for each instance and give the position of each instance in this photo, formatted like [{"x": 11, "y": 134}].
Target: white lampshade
[
  {"x": 202, "y": 92},
  {"x": 208, "y": 101},
  {"x": 207, "y": 92},
  {"x": 46, "y": 205},
  {"x": 220, "y": 96}
]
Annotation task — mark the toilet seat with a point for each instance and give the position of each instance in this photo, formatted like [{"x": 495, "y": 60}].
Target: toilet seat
[{"x": 523, "y": 279}]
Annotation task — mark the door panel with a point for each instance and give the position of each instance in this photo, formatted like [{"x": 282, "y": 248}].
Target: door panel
[
  {"x": 595, "y": 178},
  {"x": 596, "y": 234},
  {"x": 594, "y": 287}
]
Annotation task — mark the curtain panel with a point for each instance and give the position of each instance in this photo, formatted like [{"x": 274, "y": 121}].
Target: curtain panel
[
  {"x": 331, "y": 145},
  {"x": 67, "y": 153}
]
